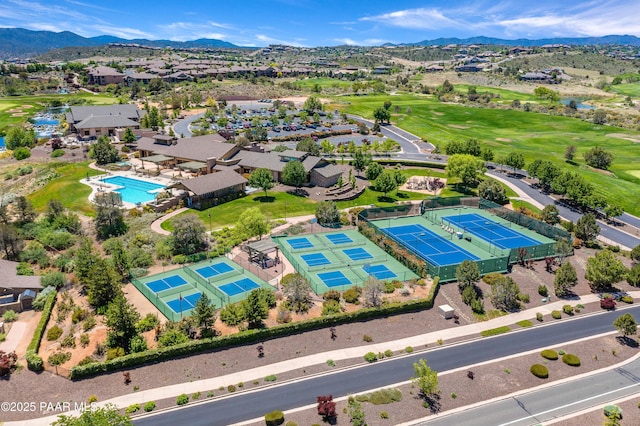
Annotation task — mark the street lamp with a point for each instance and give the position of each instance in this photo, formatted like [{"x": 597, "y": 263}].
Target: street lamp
[
  {"x": 209, "y": 214},
  {"x": 285, "y": 211}
]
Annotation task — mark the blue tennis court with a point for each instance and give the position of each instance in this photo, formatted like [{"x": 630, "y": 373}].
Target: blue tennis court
[
  {"x": 187, "y": 303},
  {"x": 237, "y": 287},
  {"x": 166, "y": 283},
  {"x": 334, "y": 279},
  {"x": 428, "y": 245},
  {"x": 490, "y": 231},
  {"x": 213, "y": 270},
  {"x": 381, "y": 272},
  {"x": 315, "y": 259},
  {"x": 339, "y": 238},
  {"x": 357, "y": 253},
  {"x": 299, "y": 243}
]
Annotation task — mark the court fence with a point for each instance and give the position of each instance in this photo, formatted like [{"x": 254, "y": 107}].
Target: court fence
[
  {"x": 405, "y": 255},
  {"x": 401, "y": 210},
  {"x": 153, "y": 298},
  {"x": 206, "y": 285}
]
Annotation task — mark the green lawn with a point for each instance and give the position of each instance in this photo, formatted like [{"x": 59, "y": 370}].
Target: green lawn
[
  {"x": 324, "y": 82},
  {"x": 627, "y": 89},
  {"x": 536, "y": 136},
  {"x": 66, "y": 188}
]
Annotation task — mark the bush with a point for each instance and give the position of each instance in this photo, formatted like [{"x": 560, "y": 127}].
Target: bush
[
  {"x": 384, "y": 396},
  {"x": 351, "y": 295},
  {"x": 543, "y": 290},
  {"x": 524, "y": 298},
  {"x": 69, "y": 341},
  {"x": 53, "y": 279},
  {"x": 389, "y": 287},
  {"x": 86, "y": 360},
  {"x": 539, "y": 371},
  {"x": 270, "y": 378},
  {"x": 626, "y": 299},
  {"x": 78, "y": 315},
  {"x": 9, "y": 316},
  {"x": 53, "y": 333},
  {"x": 149, "y": 406},
  {"x": 132, "y": 408},
  {"x": 331, "y": 307},
  {"x": 332, "y": 295},
  {"x": 608, "y": 303},
  {"x": 556, "y": 314},
  {"x": 384, "y": 415},
  {"x": 89, "y": 323},
  {"x": 149, "y": 322},
  {"x": 549, "y": 354},
  {"x": 567, "y": 309},
  {"x": 274, "y": 418},
  {"x": 114, "y": 353},
  {"x": 408, "y": 349},
  {"x": 34, "y": 362},
  {"x": 495, "y": 331},
  {"x": 231, "y": 388},
  {"x": 539, "y": 316},
  {"x": 57, "y": 153},
  {"x": 182, "y": 399},
  {"x": 491, "y": 278},
  {"x": 21, "y": 153},
  {"x": 571, "y": 360},
  {"x": 291, "y": 423},
  {"x": 367, "y": 338},
  {"x": 388, "y": 353},
  {"x": 370, "y": 357}
]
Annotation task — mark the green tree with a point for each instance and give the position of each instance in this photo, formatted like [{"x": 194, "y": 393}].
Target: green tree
[
  {"x": 18, "y": 137},
  {"x": 599, "y": 116},
  {"x": 633, "y": 277},
  {"x": 486, "y": 154},
  {"x": 372, "y": 292},
  {"x": 373, "y": 171},
  {"x": 545, "y": 93},
  {"x": 297, "y": 290},
  {"x": 252, "y": 222},
  {"x": 360, "y": 160},
  {"x": 103, "y": 152},
  {"x": 635, "y": 253},
  {"x": 255, "y": 308},
  {"x": 293, "y": 174},
  {"x": 562, "y": 249},
  {"x": 84, "y": 259},
  {"x": 544, "y": 170},
  {"x": 120, "y": 258},
  {"x": 129, "y": 136},
  {"x": 189, "y": 235},
  {"x": 515, "y": 160},
  {"x": 387, "y": 104},
  {"x": 381, "y": 115},
  {"x": 385, "y": 182},
  {"x": 233, "y": 314},
  {"x": 327, "y": 213},
  {"x": 626, "y": 324},
  {"x": 504, "y": 294},
  {"x": 122, "y": 318},
  {"x": 261, "y": 178},
  {"x": 356, "y": 413},
  {"x": 24, "y": 210},
  {"x": 491, "y": 190},
  {"x": 102, "y": 284},
  {"x": 586, "y": 228},
  {"x": 109, "y": 219},
  {"x": 109, "y": 415},
  {"x": 327, "y": 147},
  {"x": 570, "y": 152},
  {"x": 604, "y": 270},
  {"x": 613, "y": 210},
  {"x": 467, "y": 274},
  {"x": 312, "y": 104},
  {"x": 308, "y": 145},
  {"x": 425, "y": 379},
  {"x": 172, "y": 337},
  {"x": 11, "y": 242},
  {"x": 550, "y": 214},
  {"x": 204, "y": 313},
  {"x": 464, "y": 167},
  {"x": 55, "y": 208},
  {"x": 598, "y": 158},
  {"x": 565, "y": 279}
]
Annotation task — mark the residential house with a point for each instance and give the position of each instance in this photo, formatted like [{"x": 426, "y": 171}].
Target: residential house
[
  {"x": 105, "y": 75},
  {"x": 212, "y": 189},
  {"x": 17, "y": 292},
  {"x": 91, "y": 122}
]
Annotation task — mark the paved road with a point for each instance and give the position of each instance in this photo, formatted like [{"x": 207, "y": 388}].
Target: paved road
[
  {"x": 182, "y": 126},
  {"x": 546, "y": 404},
  {"x": 404, "y": 138},
  {"x": 291, "y": 395}
]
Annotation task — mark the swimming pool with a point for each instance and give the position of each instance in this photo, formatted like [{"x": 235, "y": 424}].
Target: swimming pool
[{"x": 134, "y": 190}]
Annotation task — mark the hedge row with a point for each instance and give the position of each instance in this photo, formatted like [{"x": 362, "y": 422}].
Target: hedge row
[
  {"x": 250, "y": 336},
  {"x": 34, "y": 362}
]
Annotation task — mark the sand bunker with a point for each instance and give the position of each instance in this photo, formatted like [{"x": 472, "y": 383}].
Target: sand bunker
[
  {"x": 504, "y": 140},
  {"x": 456, "y": 126},
  {"x": 629, "y": 138}
]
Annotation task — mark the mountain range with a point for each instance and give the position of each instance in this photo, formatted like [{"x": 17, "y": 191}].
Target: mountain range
[{"x": 22, "y": 43}]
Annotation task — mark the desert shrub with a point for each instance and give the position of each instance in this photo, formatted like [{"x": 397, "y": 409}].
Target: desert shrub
[
  {"x": 543, "y": 290},
  {"x": 384, "y": 396},
  {"x": 21, "y": 153},
  {"x": 149, "y": 406},
  {"x": 331, "y": 307},
  {"x": 351, "y": 295},
  {"x": 57, "y": 153},
  {"x": 10, "y": 316},
  {"x": 549, "y": 354},
  {"x": 370, "y": 357},
  {"x": 626, "y": 299},
  {"x": 182, "y": 399},
  {"x": 86, "y": 360},
  {"x": 571, "y": 360},
  {"x": 270, "y": 378},
  {"x": 389, "y": 287},
  {"x": 556, "y": 314},
  {"x": 231, "y": 388},
  {"x": 291, "y": 423},
  {"x": 491, "y": 278},
  {"x": 114, "y": 353},
  {"x": 149, "y": 322},
  {"x": 89, "y": 323},
  {"x": 524, "y": 298},
  {"x": 539, "y": 316},
  {"x": 78, "y": 315},
  {"x": 367, "y": 338},
  {"x": 133, "y": 408},
  {"x": 274, "y": 418},
  {"x": 567, "y": 309},
  {"x": 408, "y": 349},
  {"x": 332, "y": 295},
  {"x": 54, "y": 333},
  {"x": 613, "y": 412},
  {"x": 540, "y": 371},
  {"x": 525, "y": 323},
  {"x": 69, "y": 341},
  {"x": 388, "y": 353},
  {"x": 195, "y": 396}
]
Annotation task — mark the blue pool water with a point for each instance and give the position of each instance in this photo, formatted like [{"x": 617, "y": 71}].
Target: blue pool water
[
  {"x": 1, "y": 143},
  {"x": 133, "y": 190}
]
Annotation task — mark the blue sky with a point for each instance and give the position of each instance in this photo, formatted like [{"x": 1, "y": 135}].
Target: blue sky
[{"x": 325, "y": 22}]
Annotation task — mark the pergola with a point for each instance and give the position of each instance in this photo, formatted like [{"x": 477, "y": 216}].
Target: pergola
[
  {"x": 259, "y": 252},
  {"x": 192, "y": 166},
  {"x": 158, "y": 160}
]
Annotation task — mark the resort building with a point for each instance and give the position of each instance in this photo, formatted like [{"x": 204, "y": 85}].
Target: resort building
[{"x": 91, "y": 122}]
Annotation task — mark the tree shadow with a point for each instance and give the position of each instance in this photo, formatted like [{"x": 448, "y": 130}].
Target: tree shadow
[
  {"x": 627, "y": 341},
  {"x": 386, "y": 199},
  {"x": 402, "y": 195},
  {"x": 265, "y": 199},
  {"x": 299, "y": 192}
]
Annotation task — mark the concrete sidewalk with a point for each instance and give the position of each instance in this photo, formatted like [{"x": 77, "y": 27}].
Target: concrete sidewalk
[
  {"x": 14, "y": 337},
  {"x": 470, "y": 331}
]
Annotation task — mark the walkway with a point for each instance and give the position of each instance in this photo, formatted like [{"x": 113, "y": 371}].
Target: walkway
[
  {"x": 469, "y": 331},
  {"x": 155, "y": 226},
  {"x": 13, "y": 337}
]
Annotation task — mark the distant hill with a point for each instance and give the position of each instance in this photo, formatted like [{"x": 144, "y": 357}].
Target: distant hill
[
  {"x": 575, "y": 41},
  {"x": 21, "y": 43}
]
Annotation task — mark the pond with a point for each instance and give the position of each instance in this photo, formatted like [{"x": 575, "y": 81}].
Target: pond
[{"x": 578, "y": 102}]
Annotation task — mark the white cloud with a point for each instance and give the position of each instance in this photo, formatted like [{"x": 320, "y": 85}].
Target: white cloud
[
  {"x": 346, "y": 41},
  {"x": 122, "y": 32},
  {"x": 422, "y": 18},
  {"x": 269, "y": 40},
  {"x": 366, "y": 42}
]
